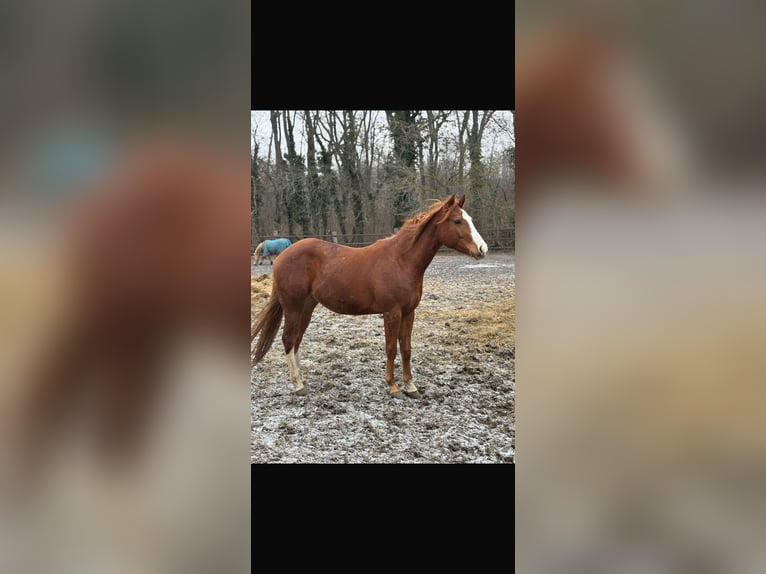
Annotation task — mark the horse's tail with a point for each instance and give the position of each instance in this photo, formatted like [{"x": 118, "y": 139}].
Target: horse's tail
[{"x": 267, "y": 324}]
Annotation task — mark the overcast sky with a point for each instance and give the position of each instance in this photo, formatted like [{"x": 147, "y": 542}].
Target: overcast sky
[{"x": 498, "y": 136}]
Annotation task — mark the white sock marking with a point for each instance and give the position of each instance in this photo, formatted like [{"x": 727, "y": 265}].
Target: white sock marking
[
  {"x": 410, "y": 387},
  {"x": 295, "y": 370}
]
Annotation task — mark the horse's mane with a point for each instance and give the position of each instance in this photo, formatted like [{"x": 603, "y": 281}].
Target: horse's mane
[{"x": 418, "y": 222}]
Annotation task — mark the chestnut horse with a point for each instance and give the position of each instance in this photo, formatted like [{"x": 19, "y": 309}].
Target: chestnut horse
[{"x": 385, "y": 277}]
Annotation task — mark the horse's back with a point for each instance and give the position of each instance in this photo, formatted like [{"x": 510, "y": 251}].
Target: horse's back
[
  {"x": 305, "y": 250},
  {"x": 308, "y": 257}
]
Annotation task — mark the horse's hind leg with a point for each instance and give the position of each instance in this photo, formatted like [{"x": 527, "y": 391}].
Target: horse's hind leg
[
  {"x": 308, "y": 309},
  {"x": 289, "y": 338},
  {"x": 296, "y": 322}
]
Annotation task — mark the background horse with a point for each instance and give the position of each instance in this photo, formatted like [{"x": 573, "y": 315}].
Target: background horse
[
  {"x": 271, "y": 248},
  {"x": 385, "y": 277}
]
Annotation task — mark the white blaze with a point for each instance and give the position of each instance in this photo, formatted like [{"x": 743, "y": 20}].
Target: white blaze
[{"x": 477, "y": 239}]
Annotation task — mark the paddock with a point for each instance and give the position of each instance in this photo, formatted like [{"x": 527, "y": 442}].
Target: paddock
[{"x": 463, "y": 355}]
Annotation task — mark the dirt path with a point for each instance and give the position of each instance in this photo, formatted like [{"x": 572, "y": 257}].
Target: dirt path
[{"x": 463, "y": 352}]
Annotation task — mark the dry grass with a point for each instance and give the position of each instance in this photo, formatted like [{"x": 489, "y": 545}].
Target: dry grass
[
  {"x": 493, "y": 322},
  {"x": 260, "y": 288},
  {"x": 485, "y": 326}
]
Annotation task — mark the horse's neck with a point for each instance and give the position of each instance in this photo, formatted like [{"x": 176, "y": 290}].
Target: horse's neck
[{"x": 417, "y": 256}]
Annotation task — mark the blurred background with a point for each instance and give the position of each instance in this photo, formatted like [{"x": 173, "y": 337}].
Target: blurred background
[
  {"x": 124, "y": 286},
  {"x": 641, "y": 281},
  {"x": 640, "y": 322}
]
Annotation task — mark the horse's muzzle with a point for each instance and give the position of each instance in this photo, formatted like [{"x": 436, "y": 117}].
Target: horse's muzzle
[{"x": 480, "y": 252}]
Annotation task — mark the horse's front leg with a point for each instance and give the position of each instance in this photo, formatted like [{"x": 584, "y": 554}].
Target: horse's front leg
[
  {"x": 392, "y": 323},
  {"x": 405, "y": 345}
]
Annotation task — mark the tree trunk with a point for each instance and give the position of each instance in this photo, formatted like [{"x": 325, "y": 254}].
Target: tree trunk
[
  {"x": 279, "y": 168},
  {"x": 461, "y": 144},
  {"x": 318, "y": 210},
  {"x": 349, "y": 163},
  {"x": 369, "y": 158},
  {"x": 255, "y": 200},
  {"x": 434, "y": 123},
  {"x": 295, "y": 204},
  {"x": 334, "y": 192},
  {"x": 402, "y": 173},
  {"x": 476, "y": 172}
]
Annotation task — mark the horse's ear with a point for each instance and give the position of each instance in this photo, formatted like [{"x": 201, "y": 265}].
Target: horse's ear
[
  {"x": 461, "y": 201},
  {"x": 449, "y": 201}
]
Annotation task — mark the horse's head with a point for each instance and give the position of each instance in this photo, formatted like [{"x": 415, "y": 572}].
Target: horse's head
[{"x": 455, "y": 229}]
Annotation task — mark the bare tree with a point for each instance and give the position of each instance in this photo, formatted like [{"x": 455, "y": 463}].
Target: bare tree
[
  {"x": 435, "y": 120},
  {"x": 256, "y": 195},
  {"x": 367, "y": 129},
  {"x": 349, "y": 163},
  {"x": 337, "y": 194},
  {"x": 295, "y": 198},
  {"x": 401, "y": 173},
  {"x": 362, "y": 172},
  {"x": 318, "y": 206},
  {"x": 476, "y": 171},
  {"x": 462, "y": 121},
  {"x": 278, "y": 177}
]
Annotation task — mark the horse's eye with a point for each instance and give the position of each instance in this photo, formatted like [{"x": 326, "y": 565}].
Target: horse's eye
[{"x": 457, "y": 221}]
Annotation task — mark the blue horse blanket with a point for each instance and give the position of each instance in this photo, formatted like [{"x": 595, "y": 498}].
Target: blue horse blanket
[{"x": 275, "y": 246}]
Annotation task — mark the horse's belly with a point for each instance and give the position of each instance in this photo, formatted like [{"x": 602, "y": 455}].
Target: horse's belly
[
  {"x": 345, "y": 300},
  {"x": 348, "y": 305},
  {"x": 349, "y": 287}
]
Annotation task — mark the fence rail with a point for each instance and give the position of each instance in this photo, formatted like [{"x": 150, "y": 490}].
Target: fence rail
[{"x": 501, "y": 239}]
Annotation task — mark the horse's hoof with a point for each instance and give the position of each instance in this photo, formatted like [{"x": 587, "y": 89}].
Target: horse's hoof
[
  {"x": 397, "y": 395},
  {"x": 413, "y": 394},
  {"x": 302, "y": 392}
]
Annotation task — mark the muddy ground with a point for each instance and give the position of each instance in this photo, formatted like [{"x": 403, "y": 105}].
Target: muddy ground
[{"x": 463, "y": 354}]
